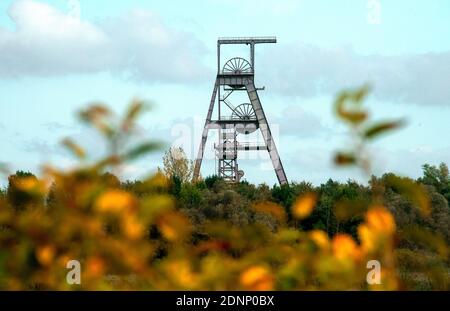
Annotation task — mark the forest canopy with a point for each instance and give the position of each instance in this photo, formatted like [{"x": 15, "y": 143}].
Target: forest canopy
[{"x": 167, "y": 232}]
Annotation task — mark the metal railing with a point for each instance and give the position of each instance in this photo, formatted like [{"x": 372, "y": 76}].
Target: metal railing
[
  {"x": 230, "y": 73},
  {"x": 236, "y": 118},
  {"x": 249, "y": 144},
  {"x": 233, "y": 145}
]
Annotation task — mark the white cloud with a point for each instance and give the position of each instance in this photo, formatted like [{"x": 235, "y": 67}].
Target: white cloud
[
  {"x": 151, "y": 51},
  {"x": 303, "y": 70},
  {"x": 295, "y": 121},
  {"x": 138, "y": 45},
  {"x": 394, "y": 160},
  {"x": 281, "y": 8}
]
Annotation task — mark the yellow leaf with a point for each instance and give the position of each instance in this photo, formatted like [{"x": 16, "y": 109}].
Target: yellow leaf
[
  {"x": 27, "y": 184},
  {"x": 257, "y": 278},
  {"x": 115, "y": 201},
  {"x": 353, "y": 114},
  {"x": 344, "y": 247},
  {"x": 135, "y": 108},
  {"x": 94, "y": 112},
  {"x": 181, "y": 272},
  {"x": 380, "y": 220},
  {"x": 132, "y": 228},
  {"x": 368, "y": 238},
  {"x": 74, "y": 148},
  {"x": 174, "y": 226},
  {"x": 377, "y": 229},
  {"x": 304, "y": 205},
  {"x": 320, "y": 238}
]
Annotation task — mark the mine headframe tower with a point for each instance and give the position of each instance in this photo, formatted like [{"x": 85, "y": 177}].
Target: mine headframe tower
[{"x": 237, "y": 75}]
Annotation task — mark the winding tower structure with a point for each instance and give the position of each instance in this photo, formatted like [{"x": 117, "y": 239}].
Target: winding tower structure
[{"x": 237, "y": 75}]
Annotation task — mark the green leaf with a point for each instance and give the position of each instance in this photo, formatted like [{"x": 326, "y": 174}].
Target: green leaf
[
  {"x": 346, "y": 209},
  {"x": 381, "y": 128},
  {"x": 108, "y": 161},
  {"x": 354, "y": 115},
  {"x": 427, "y": 239},
  {"x": 142, "y": 149},
  {"x": 413, "y": 191},
  {"x": 360, "y": 94}
]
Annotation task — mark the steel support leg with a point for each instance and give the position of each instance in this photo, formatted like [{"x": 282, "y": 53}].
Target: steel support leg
[
  {"x": 201, "y": 150},
  {"x": 267, "y": 135}
]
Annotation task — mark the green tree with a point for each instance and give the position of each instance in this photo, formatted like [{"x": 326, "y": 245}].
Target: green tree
[
  {"x": 211, "y": 180},
  {"x": 189, "y": 195},
  {"x": 438, "y": 177}
]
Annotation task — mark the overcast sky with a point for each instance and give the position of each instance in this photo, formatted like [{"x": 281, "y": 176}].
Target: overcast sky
[{"x": 57, "y": 56}]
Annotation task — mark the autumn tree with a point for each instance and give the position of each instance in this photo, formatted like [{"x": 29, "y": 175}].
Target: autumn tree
[
  {"x": 19, "y": 192},
  {"x": 177, "y": 165}
]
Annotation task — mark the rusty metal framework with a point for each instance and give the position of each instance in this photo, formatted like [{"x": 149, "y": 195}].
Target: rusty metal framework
[{"x": 237, "y": 74}]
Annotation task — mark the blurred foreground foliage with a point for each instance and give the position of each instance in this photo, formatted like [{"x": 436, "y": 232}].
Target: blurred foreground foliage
[{"x": 167, "y": 233}]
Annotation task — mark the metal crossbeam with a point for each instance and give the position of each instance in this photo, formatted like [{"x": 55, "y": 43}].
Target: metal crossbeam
[{"x": 246, "y": 40}]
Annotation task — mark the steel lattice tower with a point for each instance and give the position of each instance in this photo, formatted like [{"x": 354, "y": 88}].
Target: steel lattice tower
[{"x": 236, "y": 75}]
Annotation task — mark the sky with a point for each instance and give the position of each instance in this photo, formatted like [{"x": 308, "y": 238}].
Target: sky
[{"x": 58, "y": 56}]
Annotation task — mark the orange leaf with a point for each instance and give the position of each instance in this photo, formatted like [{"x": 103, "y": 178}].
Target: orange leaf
[
  {"x": 257, "y": 278},
  {"x": 344, "y": 247},
  {"x": 45, "y": 254},
  {"x": 304, "y": 205},
  {"x": 115, "y": 201}
]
